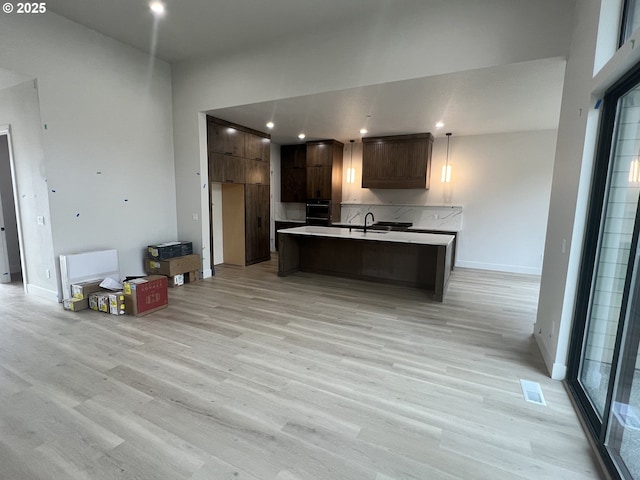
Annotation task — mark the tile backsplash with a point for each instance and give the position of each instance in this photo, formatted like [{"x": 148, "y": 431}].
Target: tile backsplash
[{"x": 431, "y": 217}]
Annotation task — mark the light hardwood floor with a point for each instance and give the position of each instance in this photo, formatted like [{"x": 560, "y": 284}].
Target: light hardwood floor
[{"x": 250, "y": 376}]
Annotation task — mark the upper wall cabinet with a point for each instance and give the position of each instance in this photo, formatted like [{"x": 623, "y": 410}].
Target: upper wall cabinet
[
  {"x": 257, "y": 148},
  {"x": 398, "y": 161},
  {"x": 293, "y": 183},
  {"x": 324, "y": 170},
  {"x": 237, "y": 154},
  {"x": 226, "y": 139},
  {"x": 324, "y": 173}
]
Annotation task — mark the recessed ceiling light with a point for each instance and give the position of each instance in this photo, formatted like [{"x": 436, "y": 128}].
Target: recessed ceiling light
[
  {"x": 363, "y": 131},
  {"x": 301, "y": 136},
  {"x": 270, "y": 125},
  {"x": 157, "y": 7},
  {"x": 439, "y": 125}
]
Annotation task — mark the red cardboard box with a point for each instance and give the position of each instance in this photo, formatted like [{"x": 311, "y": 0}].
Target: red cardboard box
[{"x": 145, "y": 295}]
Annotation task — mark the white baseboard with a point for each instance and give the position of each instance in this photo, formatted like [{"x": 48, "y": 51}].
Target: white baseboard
[
  {"x": 496, "y": 267},
  {"x": 207, "y": 273},
  {"x": 42, "y": 292},
  {"x": 548, "y": 361},
  {"x": 559, "y": 371}
]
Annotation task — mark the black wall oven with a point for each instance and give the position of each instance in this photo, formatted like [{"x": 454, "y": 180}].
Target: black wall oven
[{"x": 319, "y": 212}]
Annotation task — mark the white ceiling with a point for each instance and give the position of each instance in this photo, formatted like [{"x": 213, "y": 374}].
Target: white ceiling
[
  {"x": 198, "y": 28},
  {"x": 510, "y": 98},
  {"x": 516, "y": 97}
]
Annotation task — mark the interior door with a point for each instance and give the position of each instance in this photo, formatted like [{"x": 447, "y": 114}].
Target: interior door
[{"x": 5, "y": 266}]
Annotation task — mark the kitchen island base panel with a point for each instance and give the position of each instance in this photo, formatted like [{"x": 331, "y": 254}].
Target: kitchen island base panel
[{"x": 423, "y": 266}]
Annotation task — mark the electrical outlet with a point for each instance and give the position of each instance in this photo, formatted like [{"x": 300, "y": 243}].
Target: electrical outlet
[
  {"x": 40, "y": 220},
  {"x": 195, "y": 217},
  {"x": 48, "y": 273}
]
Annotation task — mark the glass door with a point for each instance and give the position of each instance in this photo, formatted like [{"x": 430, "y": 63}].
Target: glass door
[
  {"x": 623, "y": 437},
  {"x": 603, "y": 371}
]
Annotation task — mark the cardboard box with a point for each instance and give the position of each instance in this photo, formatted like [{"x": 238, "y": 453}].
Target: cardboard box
[
  {"x": 176, "y": 280},
  {"x": 75, "y": 304},
  {"x": 107, "y": 302},
  {"x": 83, "y": 289},
  {"x": 173, "y": 266},
  {"x": 117, "y": 304},
  {"x": 191, "y": 277},
  {"x": 145, "y": 295},
  {"x": 165, "y": 251},
  {"x": 99, "y": 301}
]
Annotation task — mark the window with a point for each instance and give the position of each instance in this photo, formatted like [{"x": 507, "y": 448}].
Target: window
[{"x": 604, "y": 371}]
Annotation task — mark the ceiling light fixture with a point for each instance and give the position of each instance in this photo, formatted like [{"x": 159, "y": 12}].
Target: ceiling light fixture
[
  {"x": 439, "y": 125},
  {"x": 446, "y": 168},
  {"x": 301, "y": 136},
  {"x": 157, "y": 7},
  {"x": 351, "y": 173},
  {"x": 270, "y": 125},
  {"x": 363, "y": 131}
]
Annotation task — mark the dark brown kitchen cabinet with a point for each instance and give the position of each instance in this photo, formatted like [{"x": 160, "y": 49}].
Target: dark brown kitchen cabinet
[
  {"x": 239, "y": 158},
  {"x": 257, "y": 172},
  {"x": 257, "y": 216},
  {"x": 257, "y": 147},
  {"x": 237, "y": 154},
  {"x": 398, "y": 161},
  {"x": 324, "y": 170},
  {"x": 293, "y": 168},
  {"x": 226, "y": 168},
  {"x": 226, "y": 139}
]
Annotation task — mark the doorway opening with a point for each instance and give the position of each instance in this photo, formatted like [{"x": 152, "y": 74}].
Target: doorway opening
[{"x": 10, "y": 248}]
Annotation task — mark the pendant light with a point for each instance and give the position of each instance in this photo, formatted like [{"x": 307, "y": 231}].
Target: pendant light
[
  {"x": 351, "y": 173},
  {"x": 446, "y": 168}
]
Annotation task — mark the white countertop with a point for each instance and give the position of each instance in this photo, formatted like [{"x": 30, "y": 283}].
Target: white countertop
[{"x": 375, "y": 235}]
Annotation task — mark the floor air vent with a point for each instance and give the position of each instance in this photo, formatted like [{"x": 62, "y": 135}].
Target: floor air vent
[{"x": 532, "y": 392}]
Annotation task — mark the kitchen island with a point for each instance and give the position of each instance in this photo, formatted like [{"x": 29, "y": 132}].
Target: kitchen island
[{"x": 419, "y": 260}]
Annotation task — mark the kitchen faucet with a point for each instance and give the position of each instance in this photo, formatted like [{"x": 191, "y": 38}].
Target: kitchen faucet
[{"x": 365, "y": 220}]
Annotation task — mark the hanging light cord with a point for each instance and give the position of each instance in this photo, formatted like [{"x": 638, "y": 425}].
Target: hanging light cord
[{"x": 448, "y": 140}]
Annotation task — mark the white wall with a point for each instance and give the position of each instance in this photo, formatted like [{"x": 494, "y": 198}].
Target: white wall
[
  {"x": 108, "y": 137},
  {"x": 496, "y": 178},
  {"x": 19, "y": 109},
  {"x": 572, "y": 173},
  {"x": 398, "y": 44}
]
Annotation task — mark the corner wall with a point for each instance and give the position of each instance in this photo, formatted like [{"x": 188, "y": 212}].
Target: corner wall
[
  {"x": 577, "y": 136},
  {"x": 107, "y": 139},
  {"x": 19, "y": 109}
]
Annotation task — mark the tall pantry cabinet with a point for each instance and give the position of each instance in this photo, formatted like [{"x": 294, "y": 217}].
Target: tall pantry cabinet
[{"x": 239, "y": 159}]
